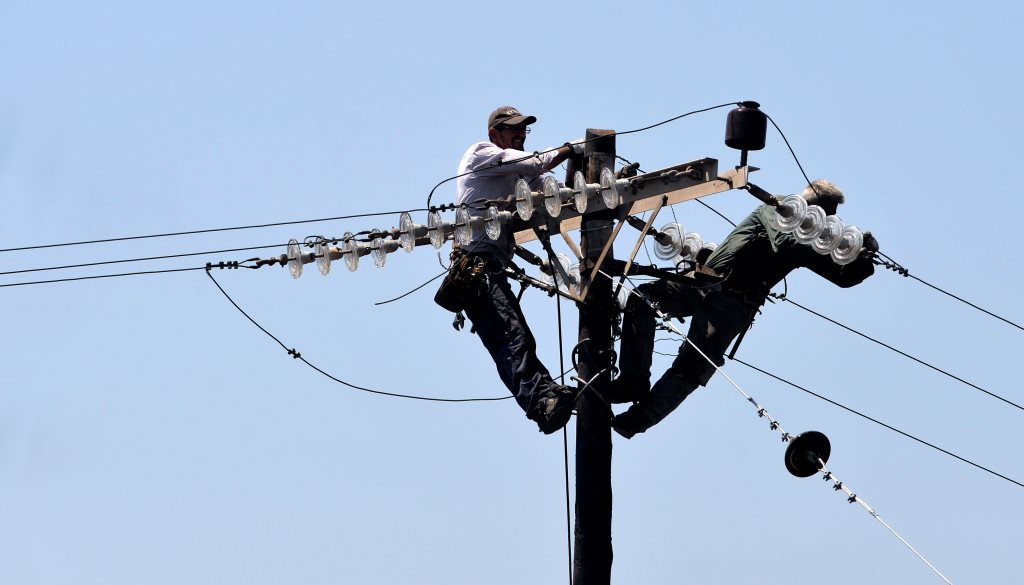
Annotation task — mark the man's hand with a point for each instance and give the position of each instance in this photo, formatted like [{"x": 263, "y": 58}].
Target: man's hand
[
  {"x": 870, "y": 246},
  {"x": 627, "y": 171}
]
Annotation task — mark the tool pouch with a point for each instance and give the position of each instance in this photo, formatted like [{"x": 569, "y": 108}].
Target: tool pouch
[{"x": 464, "y": 282}]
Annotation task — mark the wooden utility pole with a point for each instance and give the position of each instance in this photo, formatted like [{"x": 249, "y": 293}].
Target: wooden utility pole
[
  {"x": 649, "y": 192},
  {"x": 593, "y": 547}
]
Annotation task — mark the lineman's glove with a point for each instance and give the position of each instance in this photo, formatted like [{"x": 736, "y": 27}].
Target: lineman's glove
[
  {"x": 577, "y": 145},
  {"x": 870, "y": 246}
]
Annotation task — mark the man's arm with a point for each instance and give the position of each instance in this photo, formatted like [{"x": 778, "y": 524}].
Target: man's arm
[
  {"x": 853, "y": 273},
  {"x": 561, "y": 154},
  {"x": 491, "y": 160},
  {"x": 846, "y": 276}
]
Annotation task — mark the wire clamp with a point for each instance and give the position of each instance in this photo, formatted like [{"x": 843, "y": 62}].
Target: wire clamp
[{"x": 222, "y": 265}]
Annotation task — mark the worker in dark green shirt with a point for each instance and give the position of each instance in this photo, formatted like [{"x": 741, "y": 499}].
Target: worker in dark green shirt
[{"x": 753, "y": 258}]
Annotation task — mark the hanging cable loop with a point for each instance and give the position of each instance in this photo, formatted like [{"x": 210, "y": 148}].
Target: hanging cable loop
[{"x": 296, "y": 355}]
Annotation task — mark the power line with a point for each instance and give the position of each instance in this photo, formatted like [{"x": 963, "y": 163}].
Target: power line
[
  {"x": 896, "y": 267},
  {"x": 891, "y": 264},
  {"x": 203, "y": 231},
  {"x": 538, "y": 153},
  {"x": 791, "y": 151},
  {"x": 902, "y": 353},
  {"x": 878, "y": 422},
  {"x": 297, "y": 222},
  {"x": 786, "y": 437},
  {"x": 146, "y": 259},
  {"x": 102, "y": 276},
  {"x": 324, "y": 219}
]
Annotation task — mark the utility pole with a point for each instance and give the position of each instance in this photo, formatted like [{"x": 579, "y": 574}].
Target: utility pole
[
  {"x": 648, "y": 192},
  {"x": 593, "y": 534}
]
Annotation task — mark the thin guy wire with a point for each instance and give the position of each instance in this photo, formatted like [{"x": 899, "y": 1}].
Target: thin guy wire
[
  {"x": 99, "y": 276},
  {"x": 295, "y": 354},
  {"x": 852, "y": 497},
  {"x": 904, "y": 354},
  {"x": 878, "y": 422},
  {"x": 204, "y": 231},
  {"x": 761, "y": 412},
  {"x": 565, "y": 433}
]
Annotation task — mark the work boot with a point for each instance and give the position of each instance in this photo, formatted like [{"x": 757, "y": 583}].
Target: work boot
[
  {"x": 628, "y": 424},
  {"x": 667, "y": 394},
  {"x": 553, "y": 409},
  {"x": 628, "y": 388}
]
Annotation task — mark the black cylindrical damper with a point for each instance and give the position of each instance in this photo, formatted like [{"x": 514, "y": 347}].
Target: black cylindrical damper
[{"x": 746, "y": 127}]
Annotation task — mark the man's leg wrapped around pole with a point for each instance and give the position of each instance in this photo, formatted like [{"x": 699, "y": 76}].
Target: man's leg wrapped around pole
[
  {"x": 500, "y": 324},
  {"x": 715, "y": 324},
  {"x": 639, "y": 322}
]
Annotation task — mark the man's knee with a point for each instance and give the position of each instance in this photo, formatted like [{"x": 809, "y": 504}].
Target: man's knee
[
  {"x": 693, "y": 366},
  {"x": 637, "y": 303}
]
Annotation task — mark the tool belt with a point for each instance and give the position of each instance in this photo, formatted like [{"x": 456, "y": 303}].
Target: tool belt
[{"x": 464, "y": 282}]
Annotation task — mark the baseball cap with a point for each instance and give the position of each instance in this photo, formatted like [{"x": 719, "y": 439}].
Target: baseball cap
[{"x": 510, "y": 116}]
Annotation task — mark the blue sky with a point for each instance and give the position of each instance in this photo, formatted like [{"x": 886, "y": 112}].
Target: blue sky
[{"x": 150, "y": 434}]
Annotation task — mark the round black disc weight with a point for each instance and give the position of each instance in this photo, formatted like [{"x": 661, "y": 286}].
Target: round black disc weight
[{"x": 803, "y": 453}]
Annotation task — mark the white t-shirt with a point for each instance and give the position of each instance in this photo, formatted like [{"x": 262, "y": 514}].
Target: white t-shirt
[{"x": 489, "y": 181}]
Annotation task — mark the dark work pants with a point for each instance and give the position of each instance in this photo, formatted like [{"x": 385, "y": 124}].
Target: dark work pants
[
  {"x": 500, "y": 324},
  {"x": 716, "y": 319}
]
